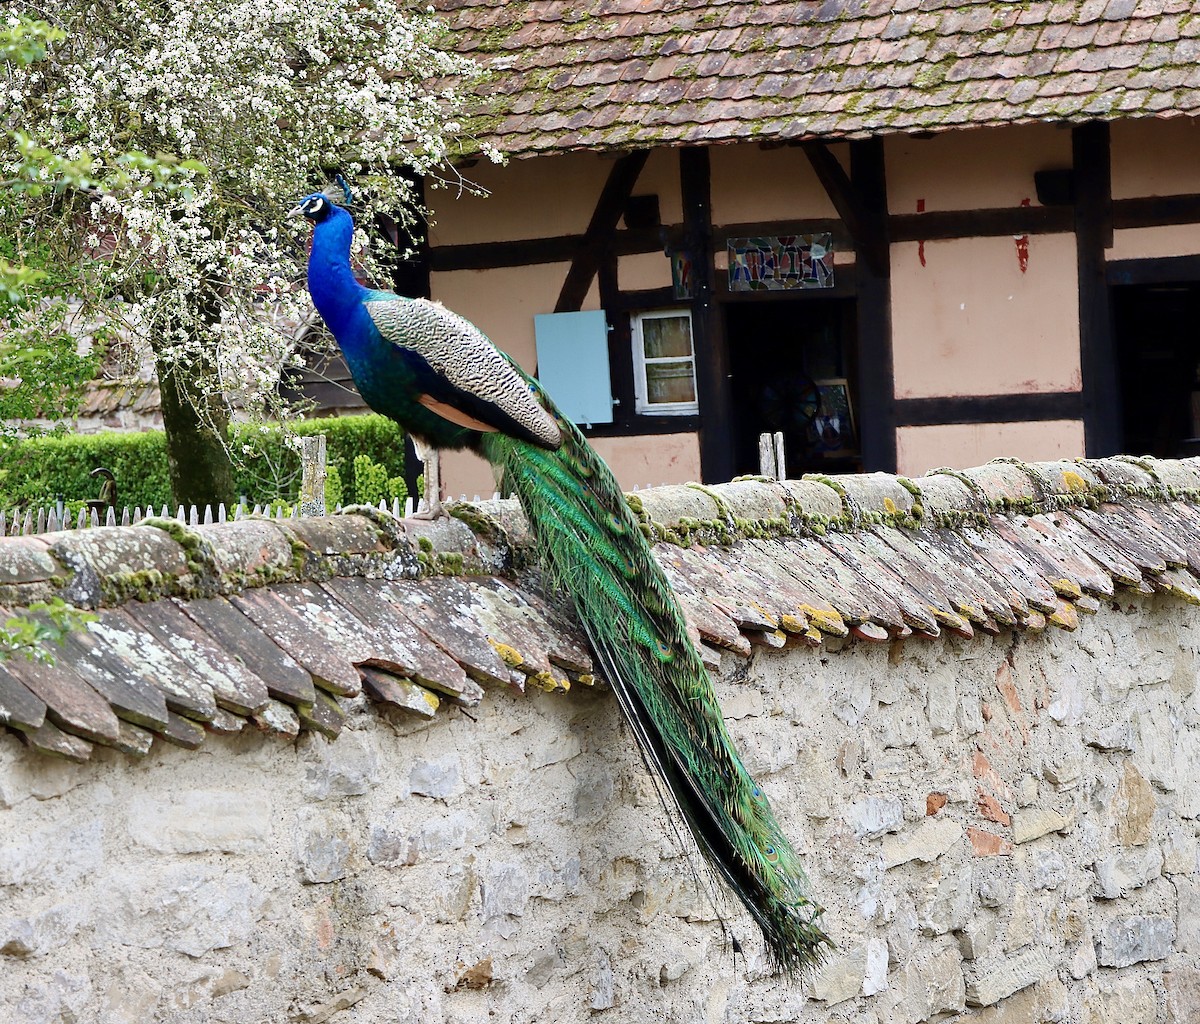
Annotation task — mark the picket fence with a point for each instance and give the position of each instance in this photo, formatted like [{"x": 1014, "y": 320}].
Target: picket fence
[{"x": 27, "y": 522}]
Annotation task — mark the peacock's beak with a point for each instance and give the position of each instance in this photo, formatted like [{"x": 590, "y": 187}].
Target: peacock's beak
[{"x": 296, "y": 211}]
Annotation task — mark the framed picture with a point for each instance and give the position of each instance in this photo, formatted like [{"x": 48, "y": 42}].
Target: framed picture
[{"x": 832, "y": 432}]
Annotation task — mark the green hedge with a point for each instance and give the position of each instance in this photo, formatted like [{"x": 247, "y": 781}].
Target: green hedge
[{"x": 37, "y": 471}]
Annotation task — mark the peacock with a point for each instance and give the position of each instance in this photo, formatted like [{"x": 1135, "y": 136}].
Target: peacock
[{"x": 439, "y": 377}]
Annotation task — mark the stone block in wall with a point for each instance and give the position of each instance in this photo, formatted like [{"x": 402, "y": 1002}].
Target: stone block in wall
[
  {"x": 928, "y": 841},
  {"x": 347, "y": 767},
  {"x": 202, "y": 821},
  {"x": 60, "y": 854},
  {"x": 1181, "y": 853},
  {"x": 947, "y": 900},
  {"x": 1047, "y": 869},
  {"x": 440, "y": 778},
  {"x": 39, "y": 933},
  {"x": 1031, "y": 823},
  {"x": 976, "y": 936},
  {"x": 1157, "y": 729},
  {"x": 1117, "y": 737},
  {"x": 504, "y": 894},
  {"x": 1133, "y": 807},
  {"x": 1021, "y": 929},
  {"x": 1123, "y": 941},
  {"x": 841, "y": 977},
  {"x": 941, "y": 700},
  {"x": 62, "y": 996},
  {"x": 872, "y": 816},
  {"x": 1081, "y": 961},
  {"x": 995, "y": 980},
  {"x": 1126, "y": 870},
  {"x": 1181, "y": 987},
  {"x": 322, "y": 847},
  {"x": 1187, "y": 798},
  {"x": 1041, "y": 1003},
  {"x": 1188, "y": 914},
  {"x": 43, "y": 778},
  {"x": 1127, "y": 1000},
  {"x": 185, "y": 909},
  {"x": 929, "y": 985}
]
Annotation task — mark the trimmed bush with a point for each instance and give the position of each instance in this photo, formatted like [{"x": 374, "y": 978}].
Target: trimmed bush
[{"x": 36, "y": 471}]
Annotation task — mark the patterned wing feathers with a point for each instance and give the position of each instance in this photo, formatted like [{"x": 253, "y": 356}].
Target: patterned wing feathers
[{"x": 460, "y": 354}]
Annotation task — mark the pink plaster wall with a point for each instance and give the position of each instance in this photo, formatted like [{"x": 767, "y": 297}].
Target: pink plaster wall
[
  {"x": 920, "y": 449},
  {"x": 516, "y": 205},
  {"x": 1155, "y": 157},
  {"x": 1155, "y": 243},
  {"x": 974, "y": 169},
  {"x": 970, "y": 322},
  {"x": 752, "y": 184}
]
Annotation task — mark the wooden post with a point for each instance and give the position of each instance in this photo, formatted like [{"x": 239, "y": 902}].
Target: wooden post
[
  {"x": 771, "y": 459},
  {"x": 312, "y": 483},
  {"x": 712, "y": 357},
  {"x": 876, "y": 384},
  {"x": 766, "y": 457},
  {"x": 1102, "y": 429}
]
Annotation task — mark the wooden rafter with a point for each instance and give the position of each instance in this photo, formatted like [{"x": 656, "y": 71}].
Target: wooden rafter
[
  {"x": 600, "y": 231},
  {"x": 869, "y": 240}
]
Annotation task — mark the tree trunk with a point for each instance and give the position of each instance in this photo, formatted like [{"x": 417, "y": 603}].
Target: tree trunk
[
  {"x": 196, "y": 424},
  {"x": 195, "y": 420}
]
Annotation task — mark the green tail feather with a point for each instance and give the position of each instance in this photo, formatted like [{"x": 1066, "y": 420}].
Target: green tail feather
[{"x": 592, "y": 547}]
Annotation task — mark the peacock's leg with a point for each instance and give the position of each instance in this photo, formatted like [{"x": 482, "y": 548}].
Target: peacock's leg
[{"x": 431, "y": 459}]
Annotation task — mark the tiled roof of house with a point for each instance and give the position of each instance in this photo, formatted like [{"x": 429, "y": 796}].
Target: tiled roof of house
[
  {"x": 278, "y": 625},
  {"x": 619, "y": 74}
]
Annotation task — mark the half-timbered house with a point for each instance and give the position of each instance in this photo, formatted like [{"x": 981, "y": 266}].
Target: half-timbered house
[{"x": 903, "y": 234}]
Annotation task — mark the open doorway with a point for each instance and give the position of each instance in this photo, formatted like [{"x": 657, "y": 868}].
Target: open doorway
[
  {"x": 792, "y": 370},
  {"x": 1157, "y": 328}
]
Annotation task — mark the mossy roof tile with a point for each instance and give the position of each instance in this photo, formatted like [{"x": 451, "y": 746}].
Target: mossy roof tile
[{"x": 540, "y": 55}]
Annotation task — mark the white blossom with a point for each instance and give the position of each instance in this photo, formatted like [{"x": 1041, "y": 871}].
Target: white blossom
[{"x": 271, "y": 96}]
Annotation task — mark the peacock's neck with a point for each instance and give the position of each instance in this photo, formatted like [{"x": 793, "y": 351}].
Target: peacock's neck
[{"x": 331, "y": 282}]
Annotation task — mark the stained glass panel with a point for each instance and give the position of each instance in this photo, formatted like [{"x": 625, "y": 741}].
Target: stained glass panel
[{"x": 780, "y": 262}]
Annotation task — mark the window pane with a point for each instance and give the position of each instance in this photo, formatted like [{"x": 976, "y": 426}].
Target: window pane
[
  {"x": 667, "y": 336},
  {"x": 670, "y": 382}
]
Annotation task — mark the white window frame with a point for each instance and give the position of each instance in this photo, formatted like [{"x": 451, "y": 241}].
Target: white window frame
[{"x": 641, "y": 388}]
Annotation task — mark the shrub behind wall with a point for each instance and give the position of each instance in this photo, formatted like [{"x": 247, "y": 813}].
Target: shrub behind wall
[{"x": 36, "y": 471}]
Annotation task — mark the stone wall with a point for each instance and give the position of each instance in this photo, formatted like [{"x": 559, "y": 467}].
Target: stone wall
[{"x": 1003, "y": 829}]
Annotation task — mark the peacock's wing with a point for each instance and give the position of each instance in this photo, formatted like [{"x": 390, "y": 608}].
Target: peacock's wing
[{"x": 470, "y": 383}]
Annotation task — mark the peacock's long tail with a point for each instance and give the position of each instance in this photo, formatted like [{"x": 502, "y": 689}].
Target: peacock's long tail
[{"x": 592, "y": 547}]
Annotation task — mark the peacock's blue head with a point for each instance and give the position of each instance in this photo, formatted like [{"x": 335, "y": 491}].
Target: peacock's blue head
[{"x": 316, "y": 207}]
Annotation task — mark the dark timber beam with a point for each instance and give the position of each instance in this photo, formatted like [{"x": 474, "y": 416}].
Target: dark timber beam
[
  {"x": 876, "y": 387},
  {"x": 1042, "y": 406},
  {"x": 600, "y": 231},
  {"x": 860, "y": 220},
  {"x": 708, "y": 336},
  {"x": 1102, "y": 428},
  {"x": 1146, "y": 212}
]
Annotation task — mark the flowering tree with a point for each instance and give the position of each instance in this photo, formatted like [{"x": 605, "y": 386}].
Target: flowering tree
[{"x": 255, "y": 103}]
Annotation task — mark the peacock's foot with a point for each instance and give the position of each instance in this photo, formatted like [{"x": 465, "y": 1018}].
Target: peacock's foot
[{"x": 433, "y": 510}]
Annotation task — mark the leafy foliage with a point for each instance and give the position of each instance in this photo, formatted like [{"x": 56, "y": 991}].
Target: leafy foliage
[
  {"x": 38, "y": 470},
  {"x": 30, "y": 633}
]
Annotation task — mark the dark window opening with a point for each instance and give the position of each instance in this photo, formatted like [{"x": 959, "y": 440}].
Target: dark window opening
[
  {"x": 1157, "y": 329},
  {"x": 792, "y": 371}
]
